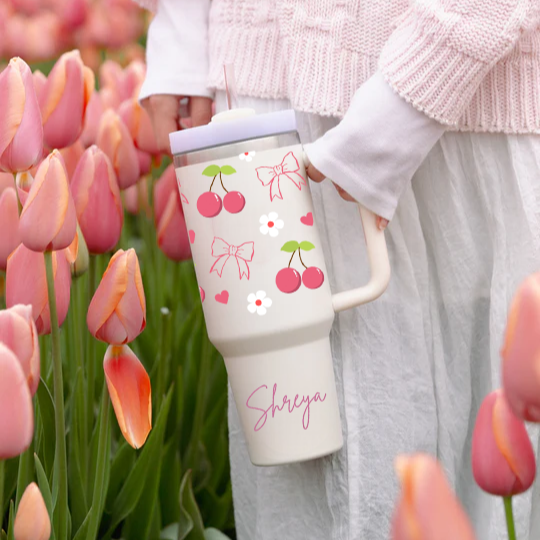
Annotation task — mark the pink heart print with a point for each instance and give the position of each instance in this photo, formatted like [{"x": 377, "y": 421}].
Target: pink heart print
[
  {"x": 192, "y": 236},
  {"x": 223, "y": 297},
  {"x": 307, "y": 219},
  {"x": 203, "y": 294}
]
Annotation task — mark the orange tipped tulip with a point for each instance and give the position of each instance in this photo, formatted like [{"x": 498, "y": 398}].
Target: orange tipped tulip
[
  {"x": 9, "y": 224},
  {"x": 71, "y": 155},
  {"x": 78, "y": 261},
  {"x": 97, "y": 201},
  {"x": 427, "y": 509},
  {"x": 21, "y": 132},
  {"x": 172, "y": 233},
  {"x": 126, "y": 82},
  {"x": 64, "y": 99},
  {"x": 26, "y": 283},
  {"x": 16, "y": 411},
  {"x": 48, "y": 220},
  {"x": 139, "y": 125},
  {"x": 24, "y": 181},
  {"x": 117, "y": 312},
  {"x": 18, "y": 332},
  {"x": 130, "y": 393},
  {"x": 40, "y": 81},
  {"x": 32, "y": 521},
  {"x": 502, "y": 455},
  {"x": 521, "y": 351},
  {"x": 115, "y": 140}
]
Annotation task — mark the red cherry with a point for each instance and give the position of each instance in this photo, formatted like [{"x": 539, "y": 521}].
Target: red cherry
[
  {"x": 234, "y": 202},
  {"x": 313, "y": 277},
  {"x": 209, "y": 204},
  {"x": 288, "y": 280}
]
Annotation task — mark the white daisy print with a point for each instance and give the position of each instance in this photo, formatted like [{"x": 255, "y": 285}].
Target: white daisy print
[
  {"x": 247, "y": 156},
  {"x": 270, "y": 224},
  {"x": 258, "y": 303}
]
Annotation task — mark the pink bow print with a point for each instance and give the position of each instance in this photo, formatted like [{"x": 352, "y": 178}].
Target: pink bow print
[
  {"x": 223, "y": 251},
  {"x": 271, "y": 176}
]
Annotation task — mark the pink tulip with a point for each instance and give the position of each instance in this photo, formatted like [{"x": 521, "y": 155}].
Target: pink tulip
[
  {"x": 24, "y": 181},
  {"x": 172, "y": 233},
  {"x": 117, "y": 313},
  {"x": 79, "y": 262},
  {"x": 136, "y": 198},
  {"x": 521, "y": 351},
  {"x": 9, "y": 224},
  {"x": 139, "y": 125},
  {"x": 40, "y": 81},
  {"x": 73, "y": 13},
  {"x": 64, "y": 100},
  {"x": 71, "y": 155},
  {"x": 130, "y": 393},
  {"x": 28, "y": 7},
  {"x": 21, "y": 133},
  {"x": 94, "y": 112},
  {"x": 26, "y": 283},
  {"x": 502, "y": 455},
  {"x": 111, "y": 75},
  {"x": 18, "y": 332},
  {"x": 97, "y": 200},
  {"x": 114, "y": 139},
  {"x": 127, "y": 82},
  {"x": 6, "y": 181},
  {"x": 48, "y": 220},
  {"x": 163, "y": 188},
  {"x": 427, "y": 508},
  {"x": 16, "y": 411},
  {"x": 32, "y": 521}
]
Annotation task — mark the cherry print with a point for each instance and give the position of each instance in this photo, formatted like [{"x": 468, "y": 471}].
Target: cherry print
[
  {"x": 210, "y": 204},
  {"x": 313, "y": 277},
  {"x": 288, "y": 279},
  {"x": 234, "y": 202}
]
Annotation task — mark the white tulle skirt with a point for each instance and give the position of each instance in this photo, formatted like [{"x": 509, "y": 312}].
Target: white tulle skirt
[{"x": 413, "y": 367}]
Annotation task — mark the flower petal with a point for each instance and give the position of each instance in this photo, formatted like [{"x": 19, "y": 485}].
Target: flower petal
[
  {"x": 267, "y": 302},
  {"x": 273, "y": 232},
  {"x": 279, "y": 224},
  {"x": 261, "y": 310},
  {"x": 264, "y": 229},
  {"x": 272, "y": 216},
  {"x": 252, "y": 308},
  {"x": 251, "y": 298}
]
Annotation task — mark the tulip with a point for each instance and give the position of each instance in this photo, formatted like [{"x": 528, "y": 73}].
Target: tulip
[
  {"x": 130, "y": 393},
  {"x": 139, "y": 125},
  {"x": 117, "y": 312},
  {"x": 502, "y": 455},
  {"x": 40, "y": 81},
  {"x": 18, "y": 332},
  {"x": 16, "y": 411},
  {"x": 115, "y": 140},
  {"x": 97, "y": 201},
  {"x": 71, "y": 155},
  {"x": 32, "y": 521},
  {"x": 111, "y": 75},
  {"x": 163, "y": 188},
  {"x": 48, "y": 220},
  {"x": 521, "y": 352},
  {"x": 21, "y": 133},
  {"x": 427, "y": 508},
  {"x": 9, "y": 224},
  {"x": 24, "y": 181},
  {"x": 64, "y": 100},
  {"x": 136, "y": 198},
  {"x": 6, "y": 181},
  {"x": 26, "y": 283},
  {"x": 172, "y": 233},
  {"x": 93, "y": 115},
  {"x": 79, "y": 263}
]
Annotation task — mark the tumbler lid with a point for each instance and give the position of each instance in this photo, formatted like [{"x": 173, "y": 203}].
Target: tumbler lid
[{"x": 226, "y": 129}]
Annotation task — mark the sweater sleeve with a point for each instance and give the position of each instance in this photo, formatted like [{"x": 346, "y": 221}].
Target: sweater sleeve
[
  {"x": 441, "y": 50},
  {"x": 177, "y": 49}
]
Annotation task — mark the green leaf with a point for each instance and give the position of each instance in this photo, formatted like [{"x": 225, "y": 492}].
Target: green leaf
[
  {"x": 121, "y": 467},
  {"x": 214, "y": 534},
  {"x": 46, "y": 411},
  {"x": 44, "y": 486},
  {"x": 83, "y": 530},
  {"x": 290, "y": 247},
  {"x": 227, "y": 169},
  {"x": 211, "y": 170},
  {"x": 11, "y": 523},
  {"x": 191, "y": 525},
  {"x": 306, "y": 246}
]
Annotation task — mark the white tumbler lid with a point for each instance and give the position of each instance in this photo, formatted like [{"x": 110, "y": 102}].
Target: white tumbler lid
[{"x": 230, "y": 127}]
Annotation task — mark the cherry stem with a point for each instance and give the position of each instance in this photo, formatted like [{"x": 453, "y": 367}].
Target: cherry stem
[
  {"x": 211, "y": 185},
  {"x": 221, "y": 180},
  {"x": 291, "y": 258},
  {"x": 300, "y": 255}
]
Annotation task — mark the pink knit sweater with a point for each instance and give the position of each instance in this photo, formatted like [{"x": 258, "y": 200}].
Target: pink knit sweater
[{"x": 472, "y": 64}]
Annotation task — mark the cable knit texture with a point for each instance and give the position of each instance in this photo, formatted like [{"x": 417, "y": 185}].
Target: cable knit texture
[{"x": 471, "y": 64}]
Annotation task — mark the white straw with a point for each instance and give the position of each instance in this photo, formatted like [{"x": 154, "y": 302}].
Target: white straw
[{"x": 230, "y": 86}]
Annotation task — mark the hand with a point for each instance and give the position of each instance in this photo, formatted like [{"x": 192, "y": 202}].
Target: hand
[
  {"x": 164, "y": 111},
  {"x": 318, "y": 177}
]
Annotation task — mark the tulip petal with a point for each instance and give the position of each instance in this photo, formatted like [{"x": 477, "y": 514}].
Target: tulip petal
[
  {"x": 16, "y": 411},
  {"x": 32, "y": 521},
  {"x": 172, "y": 233},
  {"x": 9, "y": 225},
  {"x": 163, "y": 188},
  {"x": 12, "y": 101},
  {"x": 130, "y": 392}
]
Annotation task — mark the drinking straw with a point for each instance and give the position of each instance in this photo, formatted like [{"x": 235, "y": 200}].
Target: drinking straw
[{"x": 230, "y": 86}]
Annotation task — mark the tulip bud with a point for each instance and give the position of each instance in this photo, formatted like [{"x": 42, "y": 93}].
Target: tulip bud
[
  {"x": 93, "y": 115},
  {"x": 115, "y": 140},
  {"x": 172, "y": 233},
  {"x": 48, "y": 220},
  {"x": 16, "y": 411},
  {"x": 26, "y": 283},
  {"x": 32, "y": 521},
  {"x": 117, "y": 312},
  {"x": 64, "y": 99},
  {"x": 163, "y": 188},
  {"x": 80, "y": 265},
  {"x": 139, "y": 125},
  {"x": 24, "y": 181},
  {"x": 130, "y": 393},
  {"x": 40, "y": 81},
  {"x": 71, "y": 155},
  {"x": 427, "y": 508},
  {"x": 136, "y": 198},
  {"x": 21, "y": 132},
  {"x": 97, "y": 201},
  {"x": 502, "y": 455},
  {"x": 18, "y": 332},
  {"x": 9, "y": 224},
  {"x": 521, "y": 351}
]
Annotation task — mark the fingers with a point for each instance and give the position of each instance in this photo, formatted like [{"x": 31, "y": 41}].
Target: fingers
[
  {"x": 164, "y": 113},
  {"x": 382, "y": 223},
  {"x": 200, "y": 110},
  {"x": 314, "y": 174},
  {"x": 343, "y": 194}
]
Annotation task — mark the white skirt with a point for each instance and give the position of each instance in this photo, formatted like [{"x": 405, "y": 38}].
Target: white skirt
[{"x": 413, "y": 367}]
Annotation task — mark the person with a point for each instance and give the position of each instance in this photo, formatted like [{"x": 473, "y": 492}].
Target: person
[{"x": 432, "y": 104}]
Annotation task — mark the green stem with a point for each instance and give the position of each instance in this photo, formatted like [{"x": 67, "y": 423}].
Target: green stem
[
  {"x": 103, "y": 455},
  {"x": 509, "y": 518},
  {"x": 163, "y": 356},
  {"x": 90, "y": 350},
  {"x": 2, "y": 468},
  {"x": 24, "y": 475},
  {"x": 60, "y": 451}
]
